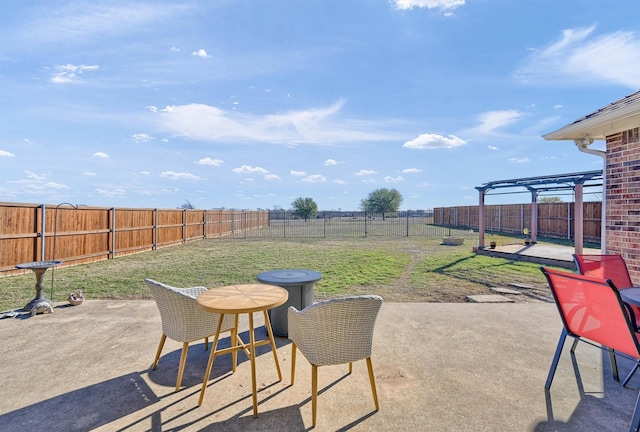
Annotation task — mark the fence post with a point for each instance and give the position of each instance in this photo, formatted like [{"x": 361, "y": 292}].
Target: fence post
[
  {"x": 112, "y": 210},
  {"x": 407, "y": 216},
  {"x": 365, "y": 223},
  {"x": 184, "y": 225},
  {"x": 43, "y": 233},
  {"x": 155, "y": 229},
  {"x": 205, "y": 224}
]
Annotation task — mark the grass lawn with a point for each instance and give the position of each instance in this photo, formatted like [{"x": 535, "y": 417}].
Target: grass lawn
[{"x": 403, "y": 269}]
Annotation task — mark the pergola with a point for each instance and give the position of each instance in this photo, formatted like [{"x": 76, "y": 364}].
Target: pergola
[{"x": 535, "y": 185}]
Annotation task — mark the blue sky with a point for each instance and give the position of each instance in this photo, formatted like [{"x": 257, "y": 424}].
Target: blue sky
[{"x": 252, "y": 104}]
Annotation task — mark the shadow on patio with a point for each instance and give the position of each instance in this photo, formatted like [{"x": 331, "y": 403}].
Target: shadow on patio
[{"x": 438, "y": 367}]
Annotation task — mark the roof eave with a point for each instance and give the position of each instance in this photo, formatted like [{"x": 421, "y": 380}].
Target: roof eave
[{"x": 598, "y": 128}]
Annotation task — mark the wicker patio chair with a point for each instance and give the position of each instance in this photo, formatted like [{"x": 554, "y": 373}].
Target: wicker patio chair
[
  {"x": 334, "y": 332},
  {"x": 593, "y": 312},
  {"x": 183, "y": 321}
]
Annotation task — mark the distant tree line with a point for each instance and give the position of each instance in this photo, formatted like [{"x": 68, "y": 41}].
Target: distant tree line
[{"x": 380, "y": 201}]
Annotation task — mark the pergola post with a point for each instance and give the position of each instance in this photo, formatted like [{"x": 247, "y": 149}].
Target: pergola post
[
  {"x": 481, "y": 220},
  {"x": 534, "y": 216},
  {"x": 579, "y": 216}
]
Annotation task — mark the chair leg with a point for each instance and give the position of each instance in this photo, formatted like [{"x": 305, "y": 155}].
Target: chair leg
[
  {"x": 159, "y": 351},
  {"x": 314, "y": 393},
  {"x": 628, "y": 378},
  {"x": 350, "y": 367},
  {"x": 293, "y": 362},
  {"x": 373, "y": 383},
  {"x": 556, "y": 358},
  {"x": 635, "y": 420},
  {"x": 206, "y": 343},
  {"x": 183, "y": 360},
  {"x": 614, "y": 364}
]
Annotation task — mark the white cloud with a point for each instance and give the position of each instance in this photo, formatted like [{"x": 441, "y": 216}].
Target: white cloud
[
  {"x": 330, "y": 162},
  {"x": 314, "y": 178},
  {"x": 365, "y": 172},
  {"x": 247, "y": 169},
  {"x": 110, "y": 193},
  {"x": 63, "y": 74},
  {"x": 271, "y": 176},
  {"x": 490, "y": 147},
  {"x": 580, "y": 57},
  {"x": 34, "y": 176},
  {"x": 411, "y": 170},
  {"x": 141, "y": 138},
  {"x": 428, "y": 4},
  {"x": 209, "y": 161},
  {"x": 175, "y": 49},
  {"x": 297, "y": 173},
  {"x": 179, "y": 175},
  {"x": 89, "y": 173},
  {"x": 492, "y": 120},
  {"x": 53, "y": 185},
  {"x": 145, "y": 172},
  {"x": 390, "y": 179},
  {"x": 81, "y": 23},
  {"x": 200, "y": 53},
  {"x": 339, "y": 181},
  {"x": 100, "y": 155},
  {"x": 434, "y": 141},
  {"x": 4, "y": 153},
  {"x": 519, "y": 160},
  {"x": 321, "y": 126},
  {"x": 39, "y": 187}
]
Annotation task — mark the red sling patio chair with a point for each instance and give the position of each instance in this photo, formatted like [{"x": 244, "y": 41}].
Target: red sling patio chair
[
  {"x": 610, "y": 266},
  {"x": 606, "y": 267},
  {"x": 593, "y": 312}
]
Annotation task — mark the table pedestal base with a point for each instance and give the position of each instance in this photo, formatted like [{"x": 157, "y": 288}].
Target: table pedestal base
[{"x": 39, "y": 306}]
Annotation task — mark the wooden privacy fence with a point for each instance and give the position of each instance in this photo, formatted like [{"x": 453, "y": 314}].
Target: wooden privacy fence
[
  {"x": 555, "y": 220},
  {"x": 39, "y": 232}
]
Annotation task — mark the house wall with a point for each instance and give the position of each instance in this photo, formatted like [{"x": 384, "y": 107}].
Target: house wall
[{"x": 623, "y": 198}]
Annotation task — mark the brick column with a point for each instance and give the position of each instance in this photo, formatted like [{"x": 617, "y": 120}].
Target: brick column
[{"x": 623, "y": 198}]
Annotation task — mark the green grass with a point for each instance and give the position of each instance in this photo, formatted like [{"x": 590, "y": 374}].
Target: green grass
[{"x": 399, "y": 269}]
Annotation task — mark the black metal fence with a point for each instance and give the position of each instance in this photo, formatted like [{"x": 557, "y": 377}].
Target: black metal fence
[{"x": 284, "y": 224}]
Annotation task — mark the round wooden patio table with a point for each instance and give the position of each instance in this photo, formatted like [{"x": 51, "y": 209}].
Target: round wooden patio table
[{"x": 239, "y": 299}]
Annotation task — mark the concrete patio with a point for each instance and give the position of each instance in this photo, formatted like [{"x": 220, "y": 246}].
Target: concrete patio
[{"x": 439, "y": 367}]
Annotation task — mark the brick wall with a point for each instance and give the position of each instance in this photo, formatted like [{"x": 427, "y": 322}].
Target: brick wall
[{"x": 623, "y": 198}]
